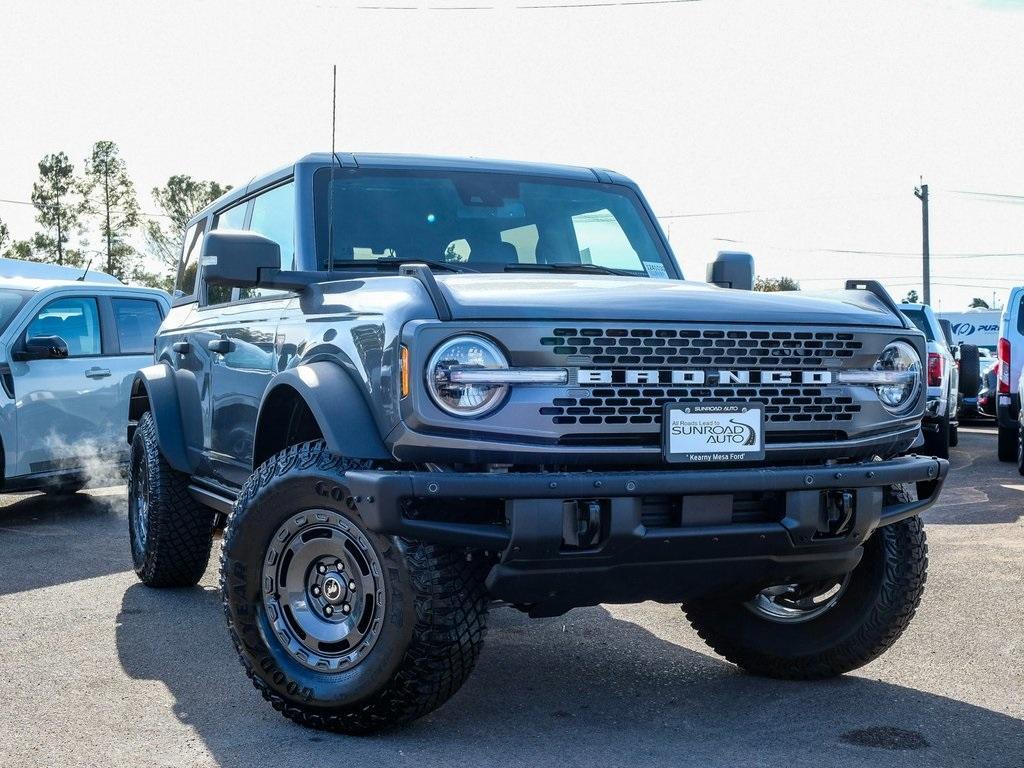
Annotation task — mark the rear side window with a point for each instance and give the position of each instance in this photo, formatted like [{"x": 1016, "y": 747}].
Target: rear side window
[
  {"x": 74, "y": 319},
  {"x": 1020, "y": 315},
  {"x": 917, "y": 317},
  {"x": 137, "y": 321}
]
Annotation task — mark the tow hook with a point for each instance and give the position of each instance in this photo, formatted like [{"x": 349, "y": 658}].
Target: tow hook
[{"x": 838, "y": 514}]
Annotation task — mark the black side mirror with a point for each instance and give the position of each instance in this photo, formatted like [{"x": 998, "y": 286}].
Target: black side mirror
[
  {"x": 235, "y": 259},
  {"x": 732, "y": 269},
  {"x": 43, "y": 348}
]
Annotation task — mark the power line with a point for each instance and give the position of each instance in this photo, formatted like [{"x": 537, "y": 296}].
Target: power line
[
  {"x": 113, "y": 210},
  {"x": 853, "y": 252}
]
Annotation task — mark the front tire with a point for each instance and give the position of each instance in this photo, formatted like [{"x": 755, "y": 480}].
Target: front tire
[
  {"x": 340, "y": 628},
  {"x": 872, "y": 610},
  {"x": 170, "y": 532}
]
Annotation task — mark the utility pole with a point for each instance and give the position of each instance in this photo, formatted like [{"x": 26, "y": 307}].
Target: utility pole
[{"x": 921, "y": 193}]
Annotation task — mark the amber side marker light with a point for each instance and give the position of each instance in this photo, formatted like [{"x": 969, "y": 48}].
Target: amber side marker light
[{"x": 405, "y": 371}]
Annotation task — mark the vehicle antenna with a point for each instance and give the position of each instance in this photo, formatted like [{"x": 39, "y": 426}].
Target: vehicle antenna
[
  {"x": 87, "y": 265},
  {"x": 334, "y": 158}
]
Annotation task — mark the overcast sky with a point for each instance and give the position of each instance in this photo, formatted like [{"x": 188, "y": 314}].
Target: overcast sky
[{"x": 795, "y": 130}]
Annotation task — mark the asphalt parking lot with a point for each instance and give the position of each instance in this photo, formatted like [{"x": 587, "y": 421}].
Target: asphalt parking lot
[{"x": 97, "y": 670}]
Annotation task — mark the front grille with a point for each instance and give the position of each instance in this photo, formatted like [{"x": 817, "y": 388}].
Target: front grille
[
  {"x": 640, "y": 404},
  {"x": 702, "y": 347},
  {"x": 617, "y": 410}
]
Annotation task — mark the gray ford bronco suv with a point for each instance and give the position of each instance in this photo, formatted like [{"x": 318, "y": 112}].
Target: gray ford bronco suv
[{"x": 412, "y": 388}]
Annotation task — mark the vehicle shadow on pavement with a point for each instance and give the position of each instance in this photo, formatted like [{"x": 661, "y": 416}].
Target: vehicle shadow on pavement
[
  {"x": 584, "y": 689},
  {"x": 51, "y": 540}
]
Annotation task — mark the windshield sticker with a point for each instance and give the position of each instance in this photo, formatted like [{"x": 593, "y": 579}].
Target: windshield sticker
[{"x": 655, "y": 269}]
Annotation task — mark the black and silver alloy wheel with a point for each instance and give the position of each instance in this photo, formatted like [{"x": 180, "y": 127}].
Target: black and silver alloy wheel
[
  {"x": 797, "y": 603},
  {"x": 323, "y": 590},
  {"x": 138, "y": 513}
]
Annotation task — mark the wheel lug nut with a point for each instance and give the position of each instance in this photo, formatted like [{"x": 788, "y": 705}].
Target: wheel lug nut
[
  {"x": 352, "y": 586},
  {"x": 316, "y": 591},
  {"x": 346, "y": 608},
  {"x": 328, "y": 610},
  {"x": 339, "y": 566},
  {"x": 321, "y": 568}
]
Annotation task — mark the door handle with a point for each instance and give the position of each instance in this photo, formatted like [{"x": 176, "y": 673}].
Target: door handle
[
  {"x": 98, "y": 373},
  {"x": 181, "y": 347},
  {"x": 221, "y": 346}
]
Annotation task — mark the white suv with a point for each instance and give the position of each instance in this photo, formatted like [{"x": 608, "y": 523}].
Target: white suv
[
  {"x": 69, "y": 350},
  {"x": 1011, "y": 356},
  {"x": 940, "y": 425}
]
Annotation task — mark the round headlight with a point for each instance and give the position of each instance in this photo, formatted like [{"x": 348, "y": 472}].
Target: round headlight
[
  {"x": 459, "y": 398},
  {"x": 901, "y": 361}
]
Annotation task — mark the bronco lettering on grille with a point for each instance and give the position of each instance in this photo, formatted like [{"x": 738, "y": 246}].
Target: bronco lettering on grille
[{"x": 682, "y": 376}]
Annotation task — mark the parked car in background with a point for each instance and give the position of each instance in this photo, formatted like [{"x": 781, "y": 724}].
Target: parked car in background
[
  {"x": 940, "y": 425},
  {"x": 1011, "y": 355},
  {"x": 987, "y": 393},
  {"x": 69, "y": 350}
]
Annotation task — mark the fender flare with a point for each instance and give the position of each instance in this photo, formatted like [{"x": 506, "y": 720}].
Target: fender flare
[
  {"x": 157, "y": 384},
  {"x": 330, "y": 393}
]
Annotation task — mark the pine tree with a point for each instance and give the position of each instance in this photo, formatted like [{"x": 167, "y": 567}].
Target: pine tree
[
  {"x": 112, "y": 200},
  {"x": 60, "y": 203}
]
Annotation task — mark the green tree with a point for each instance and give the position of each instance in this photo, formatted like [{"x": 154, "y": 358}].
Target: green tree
[
  {"x": 5, "y": 235},
  {"x": 977, "y": 303},
  {"x": 775, "y": 284},
  {"x": 60, "y": 203},
  {"x": 911, "y": 297},
  {"x": 111, "y": 198},
  {"x": 181, "y": 198}
]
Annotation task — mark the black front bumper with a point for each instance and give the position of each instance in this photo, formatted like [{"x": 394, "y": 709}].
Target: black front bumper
[{"x": 705, "y": 550}]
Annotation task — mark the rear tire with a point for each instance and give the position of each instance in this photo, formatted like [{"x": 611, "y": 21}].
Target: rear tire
[
  {"x": 954, "y": 435},
  {"x": 170, "y": 532},
  {"x": 970, "y": 370},
  {"x": 399, "y": 639},
  {"x": 1020, "y": 448},
  {"x": 1007, "y": 443},
  {"x": 878, "y": 602}
]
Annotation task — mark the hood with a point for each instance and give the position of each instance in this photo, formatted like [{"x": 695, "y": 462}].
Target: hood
[{"x": 610, "y": 297}]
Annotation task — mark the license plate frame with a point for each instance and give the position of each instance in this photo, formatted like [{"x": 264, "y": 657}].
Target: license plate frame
[{"x": 718, "y": 433}]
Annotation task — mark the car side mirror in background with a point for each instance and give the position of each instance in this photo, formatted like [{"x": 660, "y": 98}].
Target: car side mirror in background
[
  {"x": 732, "y": 269},
  {"x": 234, "y": 259},
  {"x": 42, "y": 348}
]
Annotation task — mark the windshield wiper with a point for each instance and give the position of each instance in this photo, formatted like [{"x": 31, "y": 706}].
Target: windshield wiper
[
  {"x": 568, "y": 266},
  {"x": 386, "y": 262}
]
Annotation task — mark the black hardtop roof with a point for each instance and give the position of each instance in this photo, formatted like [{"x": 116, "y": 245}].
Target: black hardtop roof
[{"x": 419, "y": 162}]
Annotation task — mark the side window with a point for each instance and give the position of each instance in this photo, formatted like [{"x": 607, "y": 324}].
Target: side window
[
  {"x": 74, "y": 319},
  {"x": 602, "y": 241},
  {"x": 190, "y": 258},
  {"x": 273, "y": 216},
  {"x": 137, "y": 321},
  {"x": 524, "y": 239},
  {"x": 232, "y": 218}
]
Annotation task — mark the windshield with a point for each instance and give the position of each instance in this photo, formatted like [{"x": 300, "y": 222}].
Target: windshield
[
  {"x": 484, "y": 222},
  {"x": 10, "y": 303}
]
